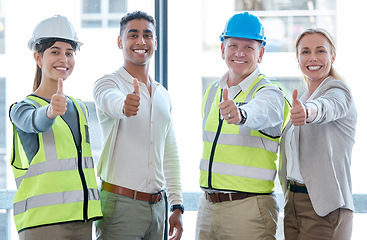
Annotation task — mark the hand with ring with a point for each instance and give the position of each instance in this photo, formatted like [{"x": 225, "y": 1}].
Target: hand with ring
[{"x": 229, "y": 110}]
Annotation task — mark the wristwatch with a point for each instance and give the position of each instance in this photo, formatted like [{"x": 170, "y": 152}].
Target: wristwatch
[
  {"x": 243, "y": 116},
  {"x": 177, "y": 206}
]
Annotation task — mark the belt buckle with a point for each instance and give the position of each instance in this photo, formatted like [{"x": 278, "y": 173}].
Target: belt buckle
[{"x": 159, "y": 194}]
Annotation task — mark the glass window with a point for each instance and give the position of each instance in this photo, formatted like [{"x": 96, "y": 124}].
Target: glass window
[
  {"x": 117, "y": 6},
  {"x": 91, "y": 6},
  {"x": 103, "y": 13},
  {"x": 282, "y": 31},
  {"x": 3, "y": 120},
  {"x": 92, "y": 24},
  {"x": 285, "y": 19},
  {"x": 279, "y": 5},
  {"x": 2, "y": 35}
]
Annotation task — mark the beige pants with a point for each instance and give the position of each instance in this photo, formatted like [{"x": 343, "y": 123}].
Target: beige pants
[
  {"x": 252, "y": 218},
  {"x": 302, "y": 223},
  {"x": 64, "y": 231}
]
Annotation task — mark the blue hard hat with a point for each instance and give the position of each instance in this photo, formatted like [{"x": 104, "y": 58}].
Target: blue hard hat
[{"x": 244, "y": 25}]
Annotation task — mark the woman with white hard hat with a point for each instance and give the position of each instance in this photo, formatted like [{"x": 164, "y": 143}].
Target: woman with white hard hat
[
  {"x": 317, "y": 146},
  {"x": 51, "y": 158}
]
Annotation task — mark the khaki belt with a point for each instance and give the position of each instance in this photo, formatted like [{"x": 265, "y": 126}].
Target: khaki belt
[
  {"x": 147, "y": 197},
  {"x": 223, "y": 197}
]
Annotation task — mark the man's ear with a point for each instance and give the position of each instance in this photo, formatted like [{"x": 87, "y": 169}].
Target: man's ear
[
  {"x": 119, "y": 42},
  {"x": 261, "y": 54},
  {"x": 222, "y": 48}
]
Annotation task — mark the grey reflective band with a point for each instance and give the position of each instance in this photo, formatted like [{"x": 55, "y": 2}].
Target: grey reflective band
[
  {"x": 209, "y": 101},
  {"x": 240, "y": 140},
  {"x": 239, "y": 171},
  {"x": 54, "y": 199},
  {"x": 50, "y": 146},
  {"x": 50, "y": 166}
]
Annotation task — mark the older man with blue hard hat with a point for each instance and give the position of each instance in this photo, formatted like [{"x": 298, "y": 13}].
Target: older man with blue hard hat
[{"x": 243, "y": 118}]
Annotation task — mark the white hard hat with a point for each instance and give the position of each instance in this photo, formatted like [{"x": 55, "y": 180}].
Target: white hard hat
[{"x": 57, "y": 27}]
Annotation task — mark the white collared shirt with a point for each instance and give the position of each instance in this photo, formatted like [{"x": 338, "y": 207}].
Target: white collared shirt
[{"x": 144, "y": 154}]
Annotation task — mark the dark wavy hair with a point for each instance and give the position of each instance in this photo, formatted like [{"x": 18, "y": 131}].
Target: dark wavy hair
[{"x": 135, "y": 15}]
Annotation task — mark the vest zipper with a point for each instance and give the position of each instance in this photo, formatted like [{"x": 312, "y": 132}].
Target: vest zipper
[
  {"x": 84, "y": 183},
  {"x": 213, "y": 151},
  {"x": 211, "y": 159},
  {"x": 80, "y": 167}
]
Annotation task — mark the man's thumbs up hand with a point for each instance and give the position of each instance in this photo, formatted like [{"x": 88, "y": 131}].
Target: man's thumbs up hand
[
  {"x": 132, "y": 101},
  {"x": 57, "y": 106},
  {"x": 228, "y": 109}
]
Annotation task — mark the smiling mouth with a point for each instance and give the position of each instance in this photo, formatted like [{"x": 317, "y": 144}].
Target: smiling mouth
[
  {"x": 61, "y": 68},
  {"x": 238, "y": 61},
  {"x": 313, "y": 68},
  {"x": 140, "y": 50}
]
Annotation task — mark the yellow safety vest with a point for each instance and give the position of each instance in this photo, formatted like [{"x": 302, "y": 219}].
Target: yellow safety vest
[
  {"x": 59, "y": 185},
  {"x": 237, "y": 158}
]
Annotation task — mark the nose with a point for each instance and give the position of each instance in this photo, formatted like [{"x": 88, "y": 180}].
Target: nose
[
  {"x": 239, "y": 53},
  {"x": 313, "y": 58},
  {"x": 141, "y": 40},
  {"x": 63, "y": 59}
]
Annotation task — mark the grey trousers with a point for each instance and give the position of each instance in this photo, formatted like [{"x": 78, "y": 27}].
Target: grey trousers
[{"x": 129, "y": 219}]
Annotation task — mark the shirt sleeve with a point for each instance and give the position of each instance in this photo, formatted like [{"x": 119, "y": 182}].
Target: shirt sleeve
[
  {"x": 265, "y": 111},
  {"x": 334, "y": 103},
  {"x": 172, "y": 170},
  {"x": 109, "y": 98},
  {"x": 30, "y": 119}
]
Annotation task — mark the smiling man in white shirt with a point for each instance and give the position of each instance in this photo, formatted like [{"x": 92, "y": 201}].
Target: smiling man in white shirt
[{"x": 139, "y": 162}]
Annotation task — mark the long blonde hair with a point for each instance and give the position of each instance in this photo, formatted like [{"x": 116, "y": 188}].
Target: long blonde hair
[{"x": 333, "y": 73}]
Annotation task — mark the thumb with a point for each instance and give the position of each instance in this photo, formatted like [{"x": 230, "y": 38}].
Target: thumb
[
  {"x": 60, "y": 87},
  {"x": 295, "y": 98},
  {"x": 225, "y": 94},
  {"x": 136, "y": 86}
]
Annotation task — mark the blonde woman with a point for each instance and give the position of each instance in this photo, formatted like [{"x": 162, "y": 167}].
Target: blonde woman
[{"x": 316, "y": 149}]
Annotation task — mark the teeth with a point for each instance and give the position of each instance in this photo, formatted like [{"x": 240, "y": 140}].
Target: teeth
[
  {"x": 139, "y": 51},
  {"x": 238, "y": 61},
  {"x": 314, "y": 67},
  {"x": 61, "y": 68}
]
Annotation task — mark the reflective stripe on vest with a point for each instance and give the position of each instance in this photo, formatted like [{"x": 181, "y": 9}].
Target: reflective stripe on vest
[
  {"x": 240, "y": 171},
  {"x": 53, "y": 199},
  {"x": 239, "y": 140},
  {"x": 257, "y": 169},
  {"x": 59, "y": 185},
  {"x": 50, "y": 166}
]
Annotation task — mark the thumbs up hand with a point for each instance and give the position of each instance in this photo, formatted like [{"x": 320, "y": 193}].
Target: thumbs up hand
[
  {"x": 298, "y": 111},
  {"x": 228, "y": 109},
  {"x": 57, "y": 106},
  {"x": 132, "y": 101}
]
